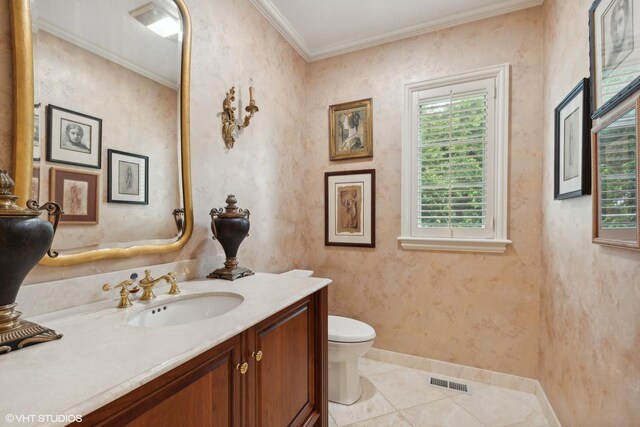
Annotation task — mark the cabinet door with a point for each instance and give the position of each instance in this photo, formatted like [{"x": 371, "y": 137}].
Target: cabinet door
[
  {"x": 200, "y": 393},
  {"x": 287, "y": 387}
]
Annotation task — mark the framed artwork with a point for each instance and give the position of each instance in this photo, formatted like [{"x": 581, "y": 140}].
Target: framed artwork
[
  {"x": 614, "y": 50},
  {"x": 128, "y": 178},
  {"x": 77, "y": 192},
  {"x": 615, "y": 169},
  {"x": 35, "y": 184},
  {"x": 350, "y": 208},
  {"x": 73, "y": 138},
  {"x": 37, "y": 117},
  {"x": 351, "y": 130},
  {"x": 572, "y": 159}
]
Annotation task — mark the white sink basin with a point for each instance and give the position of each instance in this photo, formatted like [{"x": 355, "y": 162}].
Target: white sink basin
[{"x": 186, "y": 310}]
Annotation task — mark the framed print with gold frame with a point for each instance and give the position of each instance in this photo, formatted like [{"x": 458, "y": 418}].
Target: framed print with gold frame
[
  {"x": 351, "y": 130},
  {"x": 350, "y": 208},
  {"x": 78, "y": 193},
  {"x": 615, "y": 179}
]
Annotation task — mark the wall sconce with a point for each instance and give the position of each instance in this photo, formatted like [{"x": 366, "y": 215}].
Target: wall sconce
[{"x": 229, "y": 125}]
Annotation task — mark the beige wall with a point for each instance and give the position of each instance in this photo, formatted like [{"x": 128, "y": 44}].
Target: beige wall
[
  {"x": 474, "y": 309},
  {"x": 481, "y": 310},
  {"x": 139, "y": 116},
  {"x": 590, "y": 322},
  {"x": 232, "y": 42}
]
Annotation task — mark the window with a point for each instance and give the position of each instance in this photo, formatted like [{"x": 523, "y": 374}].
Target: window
[{"x": 454, "y": 173}]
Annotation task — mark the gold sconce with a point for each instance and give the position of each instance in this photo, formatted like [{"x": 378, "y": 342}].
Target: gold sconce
[{"x": 229, "y": 125}]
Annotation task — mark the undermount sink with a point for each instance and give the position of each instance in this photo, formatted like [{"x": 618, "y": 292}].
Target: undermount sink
[{"x": 186, "y": 310}]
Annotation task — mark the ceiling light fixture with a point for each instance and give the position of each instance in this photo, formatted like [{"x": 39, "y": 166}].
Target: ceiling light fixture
[{"x": 158, "y": 20}]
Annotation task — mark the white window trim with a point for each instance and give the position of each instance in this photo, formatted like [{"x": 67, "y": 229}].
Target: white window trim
[{"x": 498, "y": 243}]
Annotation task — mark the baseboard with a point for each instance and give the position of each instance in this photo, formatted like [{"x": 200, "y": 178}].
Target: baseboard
[{"x": 513, "y": 382}]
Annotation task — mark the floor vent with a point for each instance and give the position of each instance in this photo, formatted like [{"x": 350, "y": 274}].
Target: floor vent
[{"x": 438, "y": 382}]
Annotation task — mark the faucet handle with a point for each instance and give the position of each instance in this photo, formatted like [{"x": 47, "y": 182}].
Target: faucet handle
[
  {"x": 124, "y": 292},
  {"x": 171, "y": 278}
]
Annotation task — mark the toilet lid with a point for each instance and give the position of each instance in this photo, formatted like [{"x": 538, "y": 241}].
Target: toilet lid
[{"x": 344, "y": 329}]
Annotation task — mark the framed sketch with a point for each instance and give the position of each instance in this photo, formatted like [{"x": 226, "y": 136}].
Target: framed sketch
[
  {"x": 128, "y": 178},
  {"x": 350, "y": 208},
  {"x": 614, "y": 48},
  {"x": 35, "y": 184},
  {"x": 77, "y": 192},
  {"x": 37, "y": 120},
  {"x": 351, "y": 130},
  {"x": 73, "y": 138},
  {"x": 616, "y": 183},
  {"x": 572, "y": 159}
]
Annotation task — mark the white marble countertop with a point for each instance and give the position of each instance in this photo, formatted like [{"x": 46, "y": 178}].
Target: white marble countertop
[{"x": 101, "y": 358}]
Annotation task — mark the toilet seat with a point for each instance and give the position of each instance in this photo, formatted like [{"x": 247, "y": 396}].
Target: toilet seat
[{"x": 346, "y": 330}]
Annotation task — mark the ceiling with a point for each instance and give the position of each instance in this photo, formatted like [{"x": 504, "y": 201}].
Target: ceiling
[
  {"x": 320, "y": 29},
  {"x": 106, "y": 29}
]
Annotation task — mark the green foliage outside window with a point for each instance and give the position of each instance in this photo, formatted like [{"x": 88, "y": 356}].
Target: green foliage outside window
[{"x": 452, "y": 154}]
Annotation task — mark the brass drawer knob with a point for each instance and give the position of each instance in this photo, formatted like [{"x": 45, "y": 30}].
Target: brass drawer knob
[
  {"x": 243, "y": 368},
  {"x": 259, "y": 356}
]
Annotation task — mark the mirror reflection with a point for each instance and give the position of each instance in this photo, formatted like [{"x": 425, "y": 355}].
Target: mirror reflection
[{"x": 107, "y": 120}]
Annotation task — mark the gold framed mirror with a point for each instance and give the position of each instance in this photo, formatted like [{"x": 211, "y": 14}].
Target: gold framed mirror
[{"x": 121, "y": 196}]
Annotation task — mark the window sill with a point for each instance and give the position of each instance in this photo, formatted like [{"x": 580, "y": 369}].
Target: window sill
[{"x": 457, "y": 245}]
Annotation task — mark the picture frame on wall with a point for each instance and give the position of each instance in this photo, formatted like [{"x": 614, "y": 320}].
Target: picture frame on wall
[
  {"x": 128, "y": 178},
  {"x": 350, "y": 208},
  {"x": 37, "y": 120},
  {"x": 73, "y": 138},
  {"x": 572, "y": 154},
  {"x": 614, "y": 50},
  {"x": 351, "y": 130},
  {"x": 78, "y": 193},
  {"x": 35, "y": 184},
  {"x": 615, "y": 142}
]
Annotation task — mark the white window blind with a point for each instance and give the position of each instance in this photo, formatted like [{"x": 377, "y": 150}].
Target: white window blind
[
  {"x": 453, "y": 160},
  {"x": 617, "y": 169}
]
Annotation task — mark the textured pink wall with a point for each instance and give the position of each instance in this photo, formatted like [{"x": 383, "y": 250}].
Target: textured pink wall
[
  {"x": 590, "y": 322},
  {"x": 232, "y": 43},
  {"x": 139, "y": 116},
  {"x": 474, "y": 309}
]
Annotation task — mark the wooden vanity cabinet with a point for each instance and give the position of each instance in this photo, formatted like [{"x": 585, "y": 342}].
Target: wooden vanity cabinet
[{"x": 285, "y": 383}]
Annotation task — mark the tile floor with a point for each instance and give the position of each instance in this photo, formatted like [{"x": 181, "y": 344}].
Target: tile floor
[{"x": 395, "y": 396}]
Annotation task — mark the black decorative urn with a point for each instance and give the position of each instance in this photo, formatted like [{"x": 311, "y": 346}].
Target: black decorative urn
[
  {"x": 230, "y": 226},
  {"x": 24, "y": 239}
]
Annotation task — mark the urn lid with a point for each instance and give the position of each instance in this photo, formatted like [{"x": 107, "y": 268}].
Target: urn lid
[
  {"x": 231, "y": 210},
  {"x": 8, "y": 205}
]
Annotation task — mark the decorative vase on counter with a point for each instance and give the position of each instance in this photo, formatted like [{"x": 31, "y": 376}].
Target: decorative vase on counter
[
  {"x": 24, "y": 239},
  {"x": 230, "y": 226}
]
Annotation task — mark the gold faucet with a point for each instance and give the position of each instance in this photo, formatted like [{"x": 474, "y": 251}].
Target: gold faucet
[
  {"x": 148, "y": 283},
  {"x": 124, "y": 292}
]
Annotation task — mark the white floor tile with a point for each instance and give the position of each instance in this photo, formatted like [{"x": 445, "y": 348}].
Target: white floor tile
[
  {"x": 441, "y": 413},
  {"x": 372, "y": 367},
  {"x": 390, "y": 420},
  {"x": 332, "y": 422},
  {"x": 500, "y": 407},
  {"x": 406, "y": 387},
  {"x": 370, "y": 405}
]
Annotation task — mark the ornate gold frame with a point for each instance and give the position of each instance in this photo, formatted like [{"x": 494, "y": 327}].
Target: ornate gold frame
[
  {"x": 367, "y": 105},
  {"x": 23, "y": 128}
]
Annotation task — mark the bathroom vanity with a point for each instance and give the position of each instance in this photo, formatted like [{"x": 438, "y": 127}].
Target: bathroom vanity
[{"x": 263, "y": 363}]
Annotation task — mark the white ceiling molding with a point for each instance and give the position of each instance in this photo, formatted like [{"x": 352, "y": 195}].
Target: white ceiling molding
[
  {"x": 276, "y": 18},
  {"x": 99, "y": 51},
  {"x": 280, "y": 21}
]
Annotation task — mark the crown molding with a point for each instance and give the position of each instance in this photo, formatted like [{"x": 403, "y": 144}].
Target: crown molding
[
  {"x": 97, "y": 50},
  {"x": 276, "y": 18}
]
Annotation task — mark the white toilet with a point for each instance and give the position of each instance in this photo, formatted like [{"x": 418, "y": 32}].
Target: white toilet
[{"x": 348, "y": 340}]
